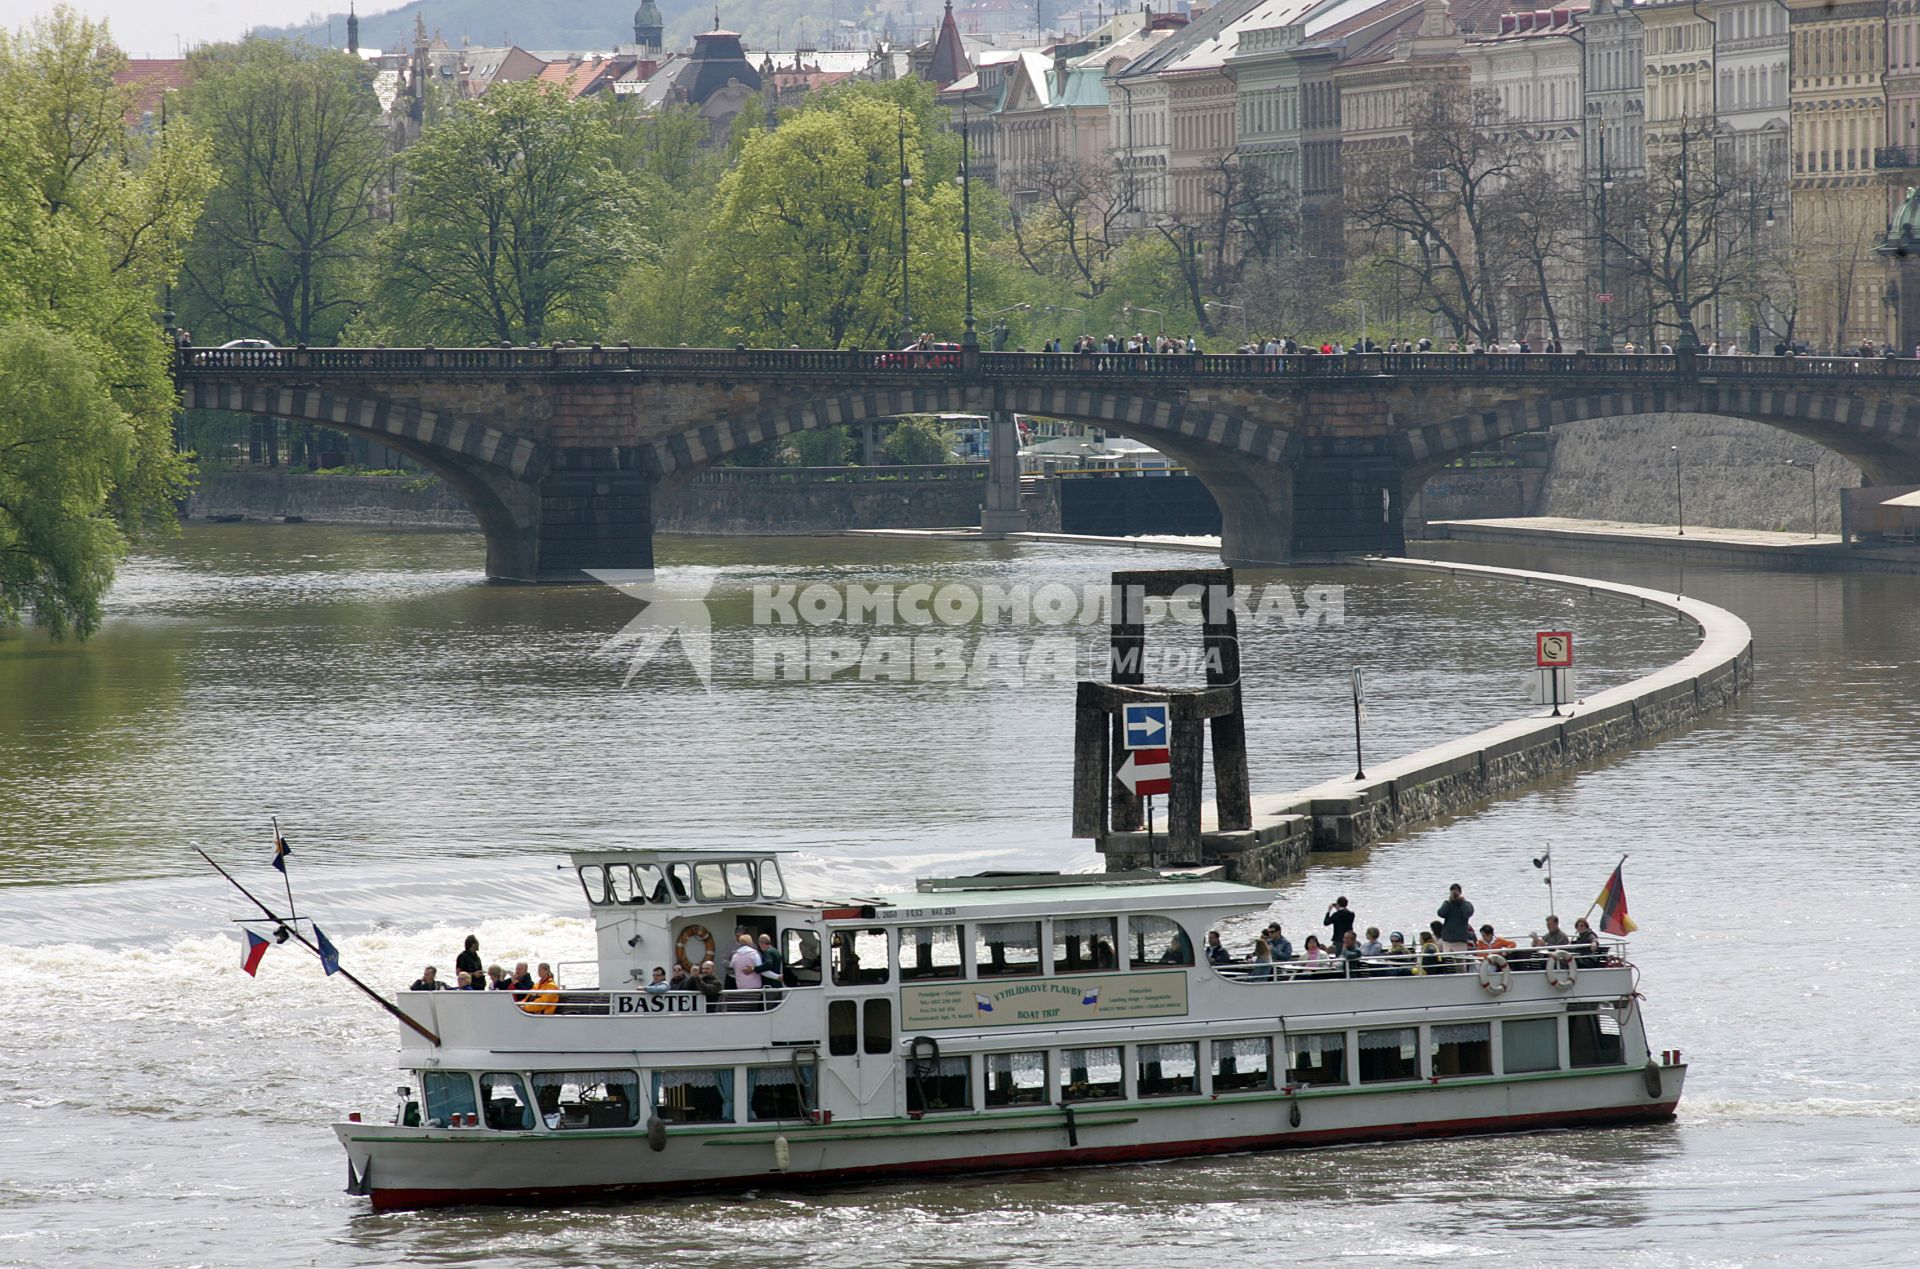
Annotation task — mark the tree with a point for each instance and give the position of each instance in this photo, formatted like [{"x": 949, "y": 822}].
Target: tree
[
  {"x": 514, "y": 223},
  {"x": 1068, "y": 223},
  {"x": 280, "y": 252},
  {"x": 917, "y": 440},
  {"x": 93, "y": 218}
]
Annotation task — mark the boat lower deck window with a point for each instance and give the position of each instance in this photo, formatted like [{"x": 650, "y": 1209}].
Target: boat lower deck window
[
  {"x": 859, "y": 956},
  {"x": 1168, "y": 1070},
  {"x": 1593, "y": 1039},
  {"x": 1090, "y": 1074},
  {"x": 1084, "y": 944},
  {"x": 939, "y": 1083},
  {"x": 1390, "y": 1054},
  {"x": 1156, "y": 940},
  {"x": 503, "y": 1100},
  {"x": 930, "y": 951},
  {"x": 703, "y": 1096},
  {"x": 1530, "y": 1044},
  {"x": 779, "y": 1092},
  {"x": 587, "y": 1099},
  {"x": 1462, "y": 1048},
  {"x": 1242, "y": 1065},
  {"x": 1016, "y": 1079},
  {"x": 449, "y": 1095},
  {"x": 1006, "y": 948},
  {"x": 1317, "y": 1058}
]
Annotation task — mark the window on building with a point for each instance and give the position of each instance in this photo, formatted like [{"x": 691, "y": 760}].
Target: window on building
[
  {"x": 936, "y": 1084},
  {"x": 1389, "y": 1054},
  {"x": 504, "y": 1104},
  {"x": 859, "y": 956},
  {"x": 1157, "y": 940},
  {"x": 1006, "y": 948},
  {"x": 1530, "y": 1044},
  {"x": 1016, "y": 1079},
  {"x": 1462, "y": 1048},
  {"x": 1090, "y": 1074},
  {"x": 587, "y": 1099},
  {"x": 1084, "y": 944},
  {"x": 930, "y": 951},
  {"x": 702, "y": 1096},
  {"x": 779, "y": 1092},
  {"x": 1167, "y": 1070},
  {"x": 1593, "y": 1039},
  {"x": 449, "y": 1097},
  {"x": 1242, "y": 1065}
]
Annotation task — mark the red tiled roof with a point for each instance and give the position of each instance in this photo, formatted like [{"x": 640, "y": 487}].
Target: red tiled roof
[{"x": 151, "y": 78}]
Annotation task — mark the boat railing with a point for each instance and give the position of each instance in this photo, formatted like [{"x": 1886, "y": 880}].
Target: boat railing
[{"x": 1609, "y": 954}]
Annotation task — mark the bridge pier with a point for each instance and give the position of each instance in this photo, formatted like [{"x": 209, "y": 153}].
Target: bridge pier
[
  {"x": 1348, "y": 505},
  {"x": 584, "y": 512}
]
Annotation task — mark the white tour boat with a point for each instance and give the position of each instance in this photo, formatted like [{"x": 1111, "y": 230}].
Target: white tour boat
[{"x": 978, "y": 1023}]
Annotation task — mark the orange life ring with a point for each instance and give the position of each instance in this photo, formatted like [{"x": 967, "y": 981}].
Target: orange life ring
[{"x": 690, "y": 934}]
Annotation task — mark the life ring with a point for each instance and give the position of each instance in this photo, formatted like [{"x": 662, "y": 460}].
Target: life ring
[
  {"x": 690, "y": 934},
  {"x": 1561, "y": 969},
  {"x": 1495, "y": 974}
]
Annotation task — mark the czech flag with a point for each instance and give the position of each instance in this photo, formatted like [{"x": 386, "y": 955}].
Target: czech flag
[
  {"x": 1091, "y": 997},
  {"x": 982, "y": 1003},
  {"x": 280, "y": 852},
  {"x": 255, "y": 949},
  {"x": 1613, "y": 905},
  {"x": 329, "y": 954}
]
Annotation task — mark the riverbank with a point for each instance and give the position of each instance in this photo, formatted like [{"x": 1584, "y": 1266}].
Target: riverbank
[{"x": 1756, "y": 548}]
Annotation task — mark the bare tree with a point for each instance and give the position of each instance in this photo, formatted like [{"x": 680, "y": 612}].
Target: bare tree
[
  {"x": 1242, "y": 220},
  {"x": 1067, "y": 222}
]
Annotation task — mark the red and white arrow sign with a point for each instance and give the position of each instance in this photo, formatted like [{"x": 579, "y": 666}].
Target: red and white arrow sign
[{"x": 1147, "y": 772}]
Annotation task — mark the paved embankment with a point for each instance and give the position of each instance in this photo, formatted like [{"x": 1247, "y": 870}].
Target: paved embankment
[
  {"x": 1448, "y": 778},
  {"x": 1699, "y": 545}
]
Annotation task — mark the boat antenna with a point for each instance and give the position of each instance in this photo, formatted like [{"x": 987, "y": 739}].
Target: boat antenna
[
  {"x": 1546, "y": 861},
  {"x": 288, "y": 926}
]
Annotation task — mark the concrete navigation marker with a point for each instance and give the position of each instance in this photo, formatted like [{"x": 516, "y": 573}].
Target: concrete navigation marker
[
  {"x": 1144, "y": 725},
  {"x": 1147, "y": 772}
]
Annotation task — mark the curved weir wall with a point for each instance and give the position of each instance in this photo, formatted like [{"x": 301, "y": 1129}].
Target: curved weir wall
[{"x": 1449, "y": 778}]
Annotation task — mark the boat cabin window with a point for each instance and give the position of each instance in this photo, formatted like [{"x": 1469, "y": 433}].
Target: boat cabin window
[
  {"x": 1090, "y": 1074},
  {"x": 1168, "y": 1070},
  {"x": 504, "y": 1101},
  {"x": 1530, "y": 1044},
  {"x": 859, "y": 956},
  {"x": 1242, "y": 1065},
  {"x": 619, "y": 883},
  {"x": 1391, "y": 1054},
  {"x": 1593, "y": 1038},
  {"x": 740, "y": 880},
  {"x": 1006, "y": 947},
  {"x": 1462, "y": 1048},
  {"x": 877, "y": 1015},
  {"x": 930, "y": 951},
  {"x": 803, "y": 958},
  {"x": 649, "y": 884},
  {"x": 1318, "y": 1058},
  {"x": 779, "y": 1092},
  {"x": 680, "y": 881},
  {"x": 593, "y": 879},
  {"x": 449, "y": 1094},
  {"x": 694, "y": 1097},
  {"x": 1016, "y": 1079},
  {"x": 843, "y": 1028},
  {"x": 771, "y": 886},
  {"x": 1083, "y": 944},
  {"x": 939, "y": 1083},
  {"x": 1156, "y": 940},
  {"x": 709, "y": 883},
  {"x": 587, "y": 1099}
]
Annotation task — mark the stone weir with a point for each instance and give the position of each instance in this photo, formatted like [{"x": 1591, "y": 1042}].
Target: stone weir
[{"x": 1459, "y": 775}]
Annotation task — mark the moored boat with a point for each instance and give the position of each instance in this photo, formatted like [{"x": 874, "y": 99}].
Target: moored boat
[{"x": 976, "y": 1023}]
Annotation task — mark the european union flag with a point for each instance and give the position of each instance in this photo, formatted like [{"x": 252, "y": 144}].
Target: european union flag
[
  {"x": 329, "y": 954},
  {"x": 280, "y": 852}
]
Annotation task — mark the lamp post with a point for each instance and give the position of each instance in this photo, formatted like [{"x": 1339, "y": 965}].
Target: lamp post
[
  {"x": 1211, "y": 305},
  {"x": 1606, "y": 296},
  {"x": 1813, "y": 494},
  {"x": 906, "y": 181},
  {"x": 1128, "y": 310},
  {"x": 1679, "y": 504},
  {"x": 1753, "y": 238},
  {"x": 1687, "y": 341},
  {"x": 969, "y": 339},
  {"x": 998, "y": 332}
]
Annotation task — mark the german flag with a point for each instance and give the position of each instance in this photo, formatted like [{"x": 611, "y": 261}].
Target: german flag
[{"x": 1613, "y": 904}]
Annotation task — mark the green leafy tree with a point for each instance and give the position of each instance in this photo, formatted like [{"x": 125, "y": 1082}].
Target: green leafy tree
[
  {"x": 514, "y": 224},
  {"x": 93, "y": 219},
  {"x": 917, "y": 439},
  {"x": 280, "y": 252}
]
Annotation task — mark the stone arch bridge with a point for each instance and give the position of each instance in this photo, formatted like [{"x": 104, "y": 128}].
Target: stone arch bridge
[{"x": 561, "y": 452}]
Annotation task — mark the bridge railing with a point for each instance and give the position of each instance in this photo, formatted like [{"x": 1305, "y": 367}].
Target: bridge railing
[{"x": 841, "y": 475}]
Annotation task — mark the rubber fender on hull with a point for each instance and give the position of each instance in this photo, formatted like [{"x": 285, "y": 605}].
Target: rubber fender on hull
[
  {"x": 656, "y": 1134},
  {"x": 1653, "y": 1081}
]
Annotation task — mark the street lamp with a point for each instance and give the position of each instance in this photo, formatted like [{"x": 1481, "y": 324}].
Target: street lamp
[
  {"x": 969, "y": 339},
  {"x": 1687, "y": 340},
  {"x": 1606, "y": 296},
  {"x": 1813, "y": 494},
  {"x": 1212, "y": 305},
  {"x": 1128, "y": 310},
  {"x": 1679, "y": 504},
  {"x": 906, "y": 182}
]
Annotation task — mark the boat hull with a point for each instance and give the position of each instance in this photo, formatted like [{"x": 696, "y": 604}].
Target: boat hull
[{"x": 417, "y": 1168}]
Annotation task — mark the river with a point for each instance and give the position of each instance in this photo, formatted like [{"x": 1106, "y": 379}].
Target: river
[{"x": 432, "y": 744}]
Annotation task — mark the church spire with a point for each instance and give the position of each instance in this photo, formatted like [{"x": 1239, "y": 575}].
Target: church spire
[{"x": 353, "y": 29}]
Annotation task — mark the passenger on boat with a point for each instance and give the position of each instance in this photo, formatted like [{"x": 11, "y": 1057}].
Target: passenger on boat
[
  {"x": 1349, "y": 954},
  {"x": 474, "y": 982},
  {"x": 1341, "y": 918},
  {"x": 1589, "y": 944},
  {"x": 1490, "y": 942},
  {"x": 1400, "y": 959},
  {"x": 522, "y": 981},
  {"x": 1103, "y": 954},
  {"x": 681, "y": 980},
  {"x": 545, "y": 996},
  {"x": 659, "y": 985},
  {"x": 1456, "y": 917},
  {"x": 497, "y": 978},
  {"x": 1263, "y": 962},
  {"x": 846, "y": 959},
  {"x": 707, "y": 982},
  {"x": 1371, "y": 947},
  {"x": 1426, "y": 959},
  {"x": 429, "y": 980},
  {"x": 1314, "y": 957},
  {"x": 1554, "y": 937},
  {"x": 1217, "y": 953},
  {"x": 745, "y": 963},
  {"x": 469, "y": 958},
  {"x": 773, "y": 966},
  {"x": 1282, "y": 949}
]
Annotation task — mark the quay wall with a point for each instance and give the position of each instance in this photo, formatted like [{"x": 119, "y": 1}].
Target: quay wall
[{"x": 1459, "y": 775}]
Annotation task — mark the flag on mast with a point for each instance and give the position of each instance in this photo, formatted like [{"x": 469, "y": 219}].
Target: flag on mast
[
  {"x": 250, "y": 954},
  {"x": 329, "y": 954},
  {"x": 280, "y": 852},
  {"x": 1613, "y": 904}
]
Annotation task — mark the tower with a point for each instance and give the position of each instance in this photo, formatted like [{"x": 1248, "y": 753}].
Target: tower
[
  {"x": 353, "y": 29},
  {"x": 649, "y": 30}
]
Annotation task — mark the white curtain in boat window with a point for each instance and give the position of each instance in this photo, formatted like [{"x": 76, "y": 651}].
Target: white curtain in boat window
[
  {"x": 1462, "y": 1033},
  {"x": 1174, "y": 1059},
  {"x": 1018, "y": 933},
  {"x": 1397, "y": 1038},
  {"x": 704, "y": 1077},
  {"x": 1334, "y": 1042},
  {"x": 1083, "y": 928},
  {"x": 1243, "y": 1050},
  {"x": 1023, "y": 1066}
]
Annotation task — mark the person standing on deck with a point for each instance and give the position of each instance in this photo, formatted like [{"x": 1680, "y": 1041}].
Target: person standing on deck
[
  {"x": 745, "y": 963},
  {"x": 1340, "y": 917},
  {"x": 1456, "y": 915}
]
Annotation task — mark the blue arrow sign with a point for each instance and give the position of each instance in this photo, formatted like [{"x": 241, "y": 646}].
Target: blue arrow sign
[{"x": 1144, "y": 726}]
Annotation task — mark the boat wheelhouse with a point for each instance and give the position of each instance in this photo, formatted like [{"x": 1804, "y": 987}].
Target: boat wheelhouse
[{"x": 976, "y": 1023}]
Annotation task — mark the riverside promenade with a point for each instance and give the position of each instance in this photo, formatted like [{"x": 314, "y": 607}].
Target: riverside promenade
[{"x": 1761, "y": 548}]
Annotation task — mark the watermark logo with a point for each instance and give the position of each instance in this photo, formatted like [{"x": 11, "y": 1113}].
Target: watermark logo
[{"x": 675, "y": 609}]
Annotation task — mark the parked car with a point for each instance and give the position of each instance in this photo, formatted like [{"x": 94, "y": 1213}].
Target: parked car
[
  {"x": 269, "y": 355},
  {"x": 914, "y": 357}
]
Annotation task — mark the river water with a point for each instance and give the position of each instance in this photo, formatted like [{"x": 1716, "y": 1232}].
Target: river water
[{"x": 432, "y": 746}]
